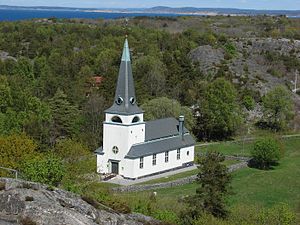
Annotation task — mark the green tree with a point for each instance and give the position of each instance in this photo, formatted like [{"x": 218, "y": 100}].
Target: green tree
[
  {"x": 93, "y": 111},
  {"x": 278, "y": 108},
  {"x": 266, "y": 152},
  {"x": 65, "y": 116},
  {"x": 5, "y": 94},
  {"x": 14, "y": 148},
  {"x": 46, "y": 169},
  {"x": 219, "y": 114},
  {"x": 151, "y": 72},
  {"x": 163, "y": 107},
  {"x": 214, "y": 186},
  {"x": 71, "y": 151}
]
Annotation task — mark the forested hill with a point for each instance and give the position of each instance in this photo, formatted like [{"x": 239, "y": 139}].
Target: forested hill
[{"x": 51, "y": 90}]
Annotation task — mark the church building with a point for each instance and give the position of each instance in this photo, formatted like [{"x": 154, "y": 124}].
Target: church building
[{"x": 133, "y": 148}]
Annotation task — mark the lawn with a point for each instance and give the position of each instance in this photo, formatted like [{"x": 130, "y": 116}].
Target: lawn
[
  {"x": 172, "y": 177},
  {"x": 183, "y": 174},
  {"x": 227, "y": 148},
  {"x": 250, "y": 186}
]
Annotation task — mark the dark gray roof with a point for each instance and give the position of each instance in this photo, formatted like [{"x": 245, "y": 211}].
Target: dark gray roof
[
  {"x": 99, "y": 151},
  {"x": 125, "y": 88},
  {"x": 162, "y": 128},
  {"x": 160, "y": 145}
]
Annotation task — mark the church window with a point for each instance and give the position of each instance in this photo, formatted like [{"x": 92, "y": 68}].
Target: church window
[
  {"x": 166, "y": 156},
  {"x": 188, "y": 153},
  {"x": 135, "y": 119},
  {"x": 119, "y": 100},
  {"x": 178, "y": 154},
  {"x": 141, "y": 162},
  {"x": 115, "y": 150},
  {"x": 154, "y": 159},
  {"x": 116, "y": 119},
  {"x": 132, "y": 100}
]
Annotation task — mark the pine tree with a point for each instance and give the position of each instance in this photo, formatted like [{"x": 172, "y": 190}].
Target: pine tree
[
  {"x": 214, "y": 185},
  {"x": 65, "y": 117}
]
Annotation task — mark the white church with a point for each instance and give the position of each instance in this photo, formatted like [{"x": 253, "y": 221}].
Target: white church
[{"x": 133, "y": 148}]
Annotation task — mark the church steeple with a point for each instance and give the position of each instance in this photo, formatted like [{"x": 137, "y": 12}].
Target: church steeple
[{"x": 125, "y": 100}]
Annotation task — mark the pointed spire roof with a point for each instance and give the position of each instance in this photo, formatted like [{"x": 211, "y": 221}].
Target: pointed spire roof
[{"x": 125, "y": 100}]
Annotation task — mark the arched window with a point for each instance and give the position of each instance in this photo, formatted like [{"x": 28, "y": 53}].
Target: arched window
[
  {"x": 136, "y": 119},
  {"x": 116, "y": 119}
]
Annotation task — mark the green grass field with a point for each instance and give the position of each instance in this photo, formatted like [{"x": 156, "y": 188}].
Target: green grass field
[
  {"x": 250, "y": 186},
  {"x": 227, "y": 148},
  {"x": 183, "y": 174}
]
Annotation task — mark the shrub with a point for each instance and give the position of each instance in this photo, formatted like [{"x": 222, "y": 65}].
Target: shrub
[
  {"x": 119, "y": 206},
  {"x": 47, "y": 169},
  {"x": 14, "y": 148},
  {"x": 71, "y": 151},
  {"x": 91, "y": 201},
  {"x": 166, "y": 216},
  {"x": 27, "y": 221},
  {"x": 29, "y": 199},
  {"x": 230, "y": 49},
  {"x": 266, "y": 152},
  {"x": 2, "y": 186},
  {"x": 248, "y": 102}
]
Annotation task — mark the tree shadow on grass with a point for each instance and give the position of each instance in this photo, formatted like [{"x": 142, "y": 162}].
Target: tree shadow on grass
[{"x": 262, "y": 166}]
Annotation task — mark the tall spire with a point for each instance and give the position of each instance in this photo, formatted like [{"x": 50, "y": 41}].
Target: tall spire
[
  {"x": 126, "y": 53},
  {"x": 125, "y": 100}
]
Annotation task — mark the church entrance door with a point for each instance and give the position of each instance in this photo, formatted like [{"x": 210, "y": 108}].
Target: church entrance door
[{"x": 115, "y": 167}]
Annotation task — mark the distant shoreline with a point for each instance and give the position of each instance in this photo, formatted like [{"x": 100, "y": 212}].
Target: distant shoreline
[{"x": 25, "y": 13}]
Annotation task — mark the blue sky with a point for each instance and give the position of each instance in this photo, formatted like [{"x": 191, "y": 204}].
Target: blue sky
[{"x": 246, "y": 4}]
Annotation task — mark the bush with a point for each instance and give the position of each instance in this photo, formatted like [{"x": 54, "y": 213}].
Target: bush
[
  {"x": 29, "y": 198},
  {"x": 249, "y": 102},
  {"x": 2, "y": 186},
  {"x": 266, "y": 152},
  {"x": 230, "y": 49},
  {"x": 47, "y": 169},
  {"x": 71, "y": 151},
  {"x": 27, "y": 221},
  {"x": 14, "y": 148},
  {"x": 166, "y": 216}
]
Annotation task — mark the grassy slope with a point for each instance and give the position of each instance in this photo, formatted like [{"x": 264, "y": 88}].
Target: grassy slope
[
  {"x": 227, "y": 148},
  {"x": 183, "y": 174},
  {"x": 251, "y": 186}
]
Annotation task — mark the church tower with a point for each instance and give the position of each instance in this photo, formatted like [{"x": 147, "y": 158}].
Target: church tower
[{"x": 124, "y": 123}]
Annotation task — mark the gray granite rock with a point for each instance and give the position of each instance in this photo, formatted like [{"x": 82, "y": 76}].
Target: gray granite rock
[{"x": 21, "y": 200}]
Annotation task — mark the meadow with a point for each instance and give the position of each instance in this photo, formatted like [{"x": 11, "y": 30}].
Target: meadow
[{"x": 252, "y": 187}]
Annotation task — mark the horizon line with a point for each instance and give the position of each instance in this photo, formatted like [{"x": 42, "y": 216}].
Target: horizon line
[{"x": 151, "y": 7}]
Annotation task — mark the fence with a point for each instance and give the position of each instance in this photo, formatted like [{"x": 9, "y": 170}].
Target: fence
[{"x": 15, "y": 172}]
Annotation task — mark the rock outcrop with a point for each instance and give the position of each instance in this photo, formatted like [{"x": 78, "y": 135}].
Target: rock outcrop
[
  {"x": 23, "y": 202},
  {"x": 258, "y": 64}
]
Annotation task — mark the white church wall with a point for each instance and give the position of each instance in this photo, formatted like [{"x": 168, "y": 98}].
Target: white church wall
[
  {"x": 129, "y": 168},
  {"x": 102, "y": 164},
  {"x": 186, "y": 155},
  {"x": 122, "y": 137}
]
